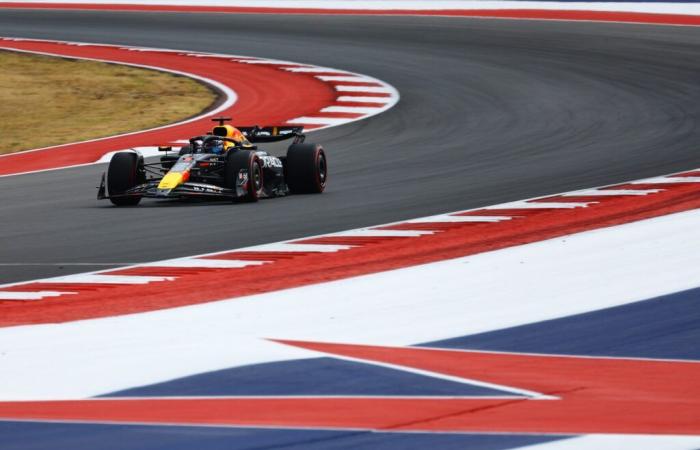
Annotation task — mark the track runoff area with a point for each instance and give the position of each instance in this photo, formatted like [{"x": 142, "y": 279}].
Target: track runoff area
[{"x": 562, "y": 322}]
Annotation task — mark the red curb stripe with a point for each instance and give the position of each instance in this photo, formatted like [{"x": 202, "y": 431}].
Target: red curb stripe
[{"x": 528, "y": 14}]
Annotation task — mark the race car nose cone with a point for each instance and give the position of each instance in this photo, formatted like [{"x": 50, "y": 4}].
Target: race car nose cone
[{"x": 163, "y": 192}]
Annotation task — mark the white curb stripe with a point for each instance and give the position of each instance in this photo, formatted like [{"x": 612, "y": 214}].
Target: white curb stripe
[
  {"x": 318, "y": 120},
  {"x": 374, "y": 89},
  {"x": 90, "y": 278},
  {"x": 28, "y": 296},
  {"x": 357, "y": 78},
  {"x": 291, "y": 247},
  {"x": 352, "y": 109},
  {"x": 313, "y": 70},
  {"x": 381, "y": 233},
  {"x": 349, "y": 98},
  {"x": 204, "y": 263},
  {"x": 539, "y": 205},
  {"x": 604, "y": 192},
  {"x": 447, "y": 218}
]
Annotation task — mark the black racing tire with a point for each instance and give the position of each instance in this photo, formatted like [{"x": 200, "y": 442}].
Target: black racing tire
[
  {"x": 185, "y": 150},
  {"x": 306, "y": 169},
  {"x": 125, "y": 171},
  {"x": 238, "y": 160}
]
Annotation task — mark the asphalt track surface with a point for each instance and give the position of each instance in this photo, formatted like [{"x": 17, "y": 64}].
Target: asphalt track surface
[{"x": 490, "y": 111}]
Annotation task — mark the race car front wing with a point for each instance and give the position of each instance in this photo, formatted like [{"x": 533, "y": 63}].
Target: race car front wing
[{"x": 150, "y": 190}]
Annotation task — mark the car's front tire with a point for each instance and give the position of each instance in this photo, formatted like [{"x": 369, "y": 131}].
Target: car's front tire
[
  {"x": 306, "y": 169},
  {"x": 241, "y": 162},
  {"x": 125, "y": 172}
]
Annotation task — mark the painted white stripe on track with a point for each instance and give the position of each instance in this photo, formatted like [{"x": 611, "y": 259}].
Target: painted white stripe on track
[
  {"x": 539, "y": 205},
  {"x": 28, "y": 296},
  {"x": 620, "y": 442},
  {"x": 292, "y": 247},
  {"x": 273, "y": 62},
  {"x": 313, "y": 69},
  {"x": 90, "y": 278},
  {"x": 610, "y": 192},
  {"x": 352, "y": 109},
  {"x": 448, "y": 218},
  {"x": 203, "y": 263},
  {"x": 374, "y": 89},
  {"x": 382, "y": 233},
  {"x": 319, "y": 120},
  {"x": 351, "y": 98},
  {"x": 343, "y": 78}
]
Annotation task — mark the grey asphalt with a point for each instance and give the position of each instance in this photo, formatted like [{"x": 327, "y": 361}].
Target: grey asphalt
[{"x": 490, "y": 111}]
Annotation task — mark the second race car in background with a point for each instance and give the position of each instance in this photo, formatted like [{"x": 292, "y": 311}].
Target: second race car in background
[{"x": 225, "y": 163}]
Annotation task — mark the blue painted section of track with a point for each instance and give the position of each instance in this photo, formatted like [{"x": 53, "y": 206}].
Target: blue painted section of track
[
  {"x": 55, "y": 436},
  {"x": 317, "y": 376},
  {"x": 664, "y": 327}
]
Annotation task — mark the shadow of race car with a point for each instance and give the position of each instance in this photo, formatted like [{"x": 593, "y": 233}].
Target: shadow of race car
[{"x": 225, "y": 163}]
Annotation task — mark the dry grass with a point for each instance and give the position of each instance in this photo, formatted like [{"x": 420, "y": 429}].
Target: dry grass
[{"x": 47, "y": 101}]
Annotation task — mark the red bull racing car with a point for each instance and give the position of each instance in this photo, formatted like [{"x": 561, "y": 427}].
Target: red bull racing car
[{"x": 225, "y": 163}]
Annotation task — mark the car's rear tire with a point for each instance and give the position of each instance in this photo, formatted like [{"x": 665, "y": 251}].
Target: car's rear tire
[
  {"x": 237, "y": 161},
  {"x": 125, "y": 172},
  {"x": 306, "y": 169}
]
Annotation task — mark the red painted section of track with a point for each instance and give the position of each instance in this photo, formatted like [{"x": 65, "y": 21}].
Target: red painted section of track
[
  {"x": 287, "y": 270},
  {"x": 266, "y": 95},
  {"x": 533, "y": 14},
  {"x": 591, "y": 395}
]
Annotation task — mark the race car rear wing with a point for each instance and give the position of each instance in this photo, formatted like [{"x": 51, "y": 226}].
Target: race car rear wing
[{"x": 273, "y": 134}]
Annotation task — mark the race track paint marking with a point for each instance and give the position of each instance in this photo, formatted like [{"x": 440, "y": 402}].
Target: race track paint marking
[
  {"x": 563, "y": 392},
  {"x": 255, "y": 91},
  {"x": 191, "y": 280},
  {"x": 666, "y": 13}
]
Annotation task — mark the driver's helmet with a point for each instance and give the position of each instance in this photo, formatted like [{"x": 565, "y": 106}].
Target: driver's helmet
[{"x": 215, "y": 146}]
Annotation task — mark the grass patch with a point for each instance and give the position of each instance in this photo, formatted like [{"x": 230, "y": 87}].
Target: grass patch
[{"x": 48, "y": 100}]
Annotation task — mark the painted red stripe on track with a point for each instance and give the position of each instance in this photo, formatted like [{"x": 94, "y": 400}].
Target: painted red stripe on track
[
  {"x": 537, "y": 14},
  {"x": 454, "y": 240}
]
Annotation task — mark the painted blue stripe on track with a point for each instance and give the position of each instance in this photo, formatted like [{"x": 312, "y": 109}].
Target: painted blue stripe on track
[
  {"x": 62, "y": 436},
  {"x": 663, "y": 327},
  {"x": 317, "y": 376}
]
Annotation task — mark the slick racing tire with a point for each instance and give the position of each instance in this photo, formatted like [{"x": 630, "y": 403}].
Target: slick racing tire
[
  {"x": 306, "y": 169},
  {"x": 125, "y": 172},
  {"x": 239, "y": 164}
]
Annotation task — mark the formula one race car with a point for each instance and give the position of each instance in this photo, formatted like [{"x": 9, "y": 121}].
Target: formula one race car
[{"x": 225, "y": 163}]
